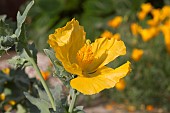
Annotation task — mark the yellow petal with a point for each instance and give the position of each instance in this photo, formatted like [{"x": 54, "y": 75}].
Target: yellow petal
[
  {"x": 149, "y": 33},
  {"x": 66, "y": 41},
  {"x": 103, "y": 78},
  {"x": 72, "y": 68},
  {"x": 115, "y": 22},
  {"x": 141, "y": 15},
  {"x": 117, "y": 49},
  {"x": 105, "y": 50},
  {"x": 137, "y": 54},
  {"x": 121, "y": 85},
  {"x": 146, "y": 7},
  {"x": 135, "y": 28}
]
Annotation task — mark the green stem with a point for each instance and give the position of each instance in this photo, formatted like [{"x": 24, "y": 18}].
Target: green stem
[
  {"x": 73, "y": 101},
  {"x": 41, "y": 78}
]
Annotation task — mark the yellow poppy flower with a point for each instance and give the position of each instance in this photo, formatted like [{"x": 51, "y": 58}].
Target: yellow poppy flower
[
  {"x": 116, "y": 36},
  {"x": 149, "y": 108},
  {"x": 12, "y": 102},
  {"x": 146, "y": 7},
  {"x": 135, "y": 28},
  {"x": 6, "y": 71},
  {"x": 115, "y": 22},
  {"x": 137, "y": 54},
  {"x": 156, "y": 13},
  {"x": 108, "y": 34},
  {"x": 2, "y": 96},
  {"x": 153, "y": 22},
  {"x": 45, "y": 74},
  {"x": 141, "y": 15},
  {"x": 166, "y": 32},
  {"x": 149, "y": 33},
  {"x": 86, "y": 60},
  {"x": 120, "y": 85},
  {"x": 165, "y": 12}
]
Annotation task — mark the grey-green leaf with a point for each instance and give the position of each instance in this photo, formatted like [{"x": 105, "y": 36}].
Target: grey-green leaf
[
  {"x": 21, "y": 18},
  {"x": 42, "y": 105}
]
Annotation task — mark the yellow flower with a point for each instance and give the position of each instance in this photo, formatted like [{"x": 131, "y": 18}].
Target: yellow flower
[
  {"x": 108, "y": 34},
  {"x": 137, "y": 54},
  {"x": 165, "y": 12},
  {"x": 153, "y": 22},
  {"x": 166, "y": 32},
  {"x": 121, "y": 85},
  {"x": 146, "y": 7},
  {"x": 12, "y": 102},
  {"x": 141, "y": 15},
  {"x": 116, "y": 36},
  {"x": 149, "y": 108},
  {"x": 135, "y": 28},
  {"x": 115, "y": 22},
  {"x": 45, "y": 75},
  {"x": 6, "y": 71},
  {"x": 149, "y": 33},
  {"x": 156, "y": 13},
  {"x": 86, "y": 60},
  {"x": 2, "y": 96}
]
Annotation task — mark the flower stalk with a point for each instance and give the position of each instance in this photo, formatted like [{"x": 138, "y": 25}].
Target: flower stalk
[{"x": 31, "y": 59}]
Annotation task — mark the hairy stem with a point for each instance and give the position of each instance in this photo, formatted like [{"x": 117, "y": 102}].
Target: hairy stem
[{"x": 41, "y": 78}]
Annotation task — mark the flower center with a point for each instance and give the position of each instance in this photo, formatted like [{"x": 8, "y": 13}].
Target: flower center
[{"x": 85, "y": 56}]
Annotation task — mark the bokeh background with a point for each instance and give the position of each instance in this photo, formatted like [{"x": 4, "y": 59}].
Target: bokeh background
[{"x": 147, "y": 87}]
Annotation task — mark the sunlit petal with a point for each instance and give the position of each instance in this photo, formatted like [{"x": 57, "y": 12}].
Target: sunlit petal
[
  {"x": 105, "y": 50},
  {"x": 103, "y": 78}
]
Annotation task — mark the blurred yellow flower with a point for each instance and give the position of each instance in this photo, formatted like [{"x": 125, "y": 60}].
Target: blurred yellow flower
[
  {"x": 137, "y": 54},
  {"x": 108, "y": 34},
  {"x": 12, "y": 102},
  {"x": 45, "y": 74},
  {"x": 152, "y": 22},
  {"x": 6, "y": 71},
  {"x": 120, "y": 85},
  {"x": 156, "y": 13},
  {"x": 135, "y": 28},
  {"x": 116, "y": 36},
  {"x": 86, "y": 60},
  {"x": 166, "y": 32},
  {"x": 115, "y": 22},
  {"x": 149, "y": 108},
  {"x": 141, "y": 15},
  {"x": 165, "y": 12},
  {"x": 146, "y": 7},
  {"x": 2, "y": 96},
  {"x": 149, "y": 33}
]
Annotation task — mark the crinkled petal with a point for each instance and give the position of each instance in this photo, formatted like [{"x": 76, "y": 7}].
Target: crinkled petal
[
  {"x": 103, "y": 78},
  {"x": 106, "y": 50},
  {"x": 66, "y": 42},
  {"x": 72, "y": 68}
]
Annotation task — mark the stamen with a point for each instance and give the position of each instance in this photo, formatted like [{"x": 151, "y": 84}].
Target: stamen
[{"x": 85, "y": 56}]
